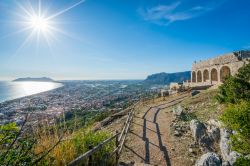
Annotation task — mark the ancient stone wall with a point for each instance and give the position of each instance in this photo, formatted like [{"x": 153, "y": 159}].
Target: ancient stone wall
[{"x": 216, "y": 70}]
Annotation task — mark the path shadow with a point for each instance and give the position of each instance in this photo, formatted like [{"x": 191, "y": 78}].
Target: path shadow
[
  {"x": 151, "y": 143},
  {"x": 143, "y": 117},
  {"x": 162, "y": 147},
  {"x": 134, "y": 152},
  {"x": 144, "y": 137},
  {"x": 147, "y": 154},
  {"x": 143, "y": 126},
  {"x": 146, "y": 140}
]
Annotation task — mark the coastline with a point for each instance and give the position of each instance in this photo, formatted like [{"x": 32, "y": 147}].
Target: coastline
[
  {"x": 71, "y": 96},
  {"x": 31, "y": 95}
]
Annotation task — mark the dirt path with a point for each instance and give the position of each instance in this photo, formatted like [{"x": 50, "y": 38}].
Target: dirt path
[{"x": 150, "y": 140}]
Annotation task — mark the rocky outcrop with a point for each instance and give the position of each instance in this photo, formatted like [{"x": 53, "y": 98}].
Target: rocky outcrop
[
  {"x": 233, "y": 156},
  {"x": 208, "y": 159},
  {"x": 198, "y": 129},
  {"x": 225, "y": 143},
  {"x": 178, "y": 111},
  {"x": 206, "y": 136},
  {"x": 213, "y": 133},
  {"x": 179, "y": 127},
  {"x": 228, "y": 156}
]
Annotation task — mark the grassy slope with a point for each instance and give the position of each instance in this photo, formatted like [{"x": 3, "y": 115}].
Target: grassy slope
[{"x": 204, "y": 106}]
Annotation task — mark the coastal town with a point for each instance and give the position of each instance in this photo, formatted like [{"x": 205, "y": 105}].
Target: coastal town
[{"x": 84, "y": 95}]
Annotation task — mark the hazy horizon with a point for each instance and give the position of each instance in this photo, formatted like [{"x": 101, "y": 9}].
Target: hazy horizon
[{"x": 116, "y": 40}]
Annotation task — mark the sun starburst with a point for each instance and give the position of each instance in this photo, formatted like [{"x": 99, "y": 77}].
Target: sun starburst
[
  {"x": 39, "y": 23},
  {"x": 35, "y": 18}
]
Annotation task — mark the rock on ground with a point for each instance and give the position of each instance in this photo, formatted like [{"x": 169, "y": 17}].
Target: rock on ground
[
  {"x": 178, "y": 111},
  {"x": 208, "y": 159},
  {"x": 198, "y": 129},
  {"x": 214, "y": 133},
  {"x": 225, "y": 143},
  {"x": 233, "y": 156}
]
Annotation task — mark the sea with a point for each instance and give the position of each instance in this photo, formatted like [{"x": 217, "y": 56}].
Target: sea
[{"x": 13, "y": 90}]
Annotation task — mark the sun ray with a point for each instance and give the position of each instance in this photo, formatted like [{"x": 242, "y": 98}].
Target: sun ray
[
  {"x": 70, "y": 35},
  {"x": 23, "y": 44},
  {"x": 42, "y": 24},
  {"x": 39, "y": 8},
  {"x": 37, "y": 41},
  {"x": 23, "y": 9},
  {"x": 65, "y": 10},
  {"x": 16, "y": 32}
]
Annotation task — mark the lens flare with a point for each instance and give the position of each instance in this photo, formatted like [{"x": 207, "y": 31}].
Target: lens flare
[
  {"x": 36, "y": 19},
  {"x": 39, "y": 23}
]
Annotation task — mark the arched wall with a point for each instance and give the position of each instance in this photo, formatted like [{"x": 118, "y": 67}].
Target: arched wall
[
  {"x": 225, "y": 72},
  {"x": 194, "y": 77},
  {"x": 214, "y": 75},
  {"x": 199, "y": 76},
  {"x": 205, "y": 75}
]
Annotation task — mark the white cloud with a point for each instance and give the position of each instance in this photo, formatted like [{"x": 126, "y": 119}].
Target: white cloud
[{"x": 177, "y": 11}]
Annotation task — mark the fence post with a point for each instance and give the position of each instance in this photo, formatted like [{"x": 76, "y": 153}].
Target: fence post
[
  {"x": 90, "y": 157},
  {"x": 117, "y": 145}
]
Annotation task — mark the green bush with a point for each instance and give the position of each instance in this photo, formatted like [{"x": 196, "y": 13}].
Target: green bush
[
  {"x": 93, "y": 139},
  {"x": 236, "y": 93},
  {"x": 236, "y": 88},
  {"x": 14, "y": 148},
  {"x": 237, "y": 117},
  {"x": 242, "y": 162}
]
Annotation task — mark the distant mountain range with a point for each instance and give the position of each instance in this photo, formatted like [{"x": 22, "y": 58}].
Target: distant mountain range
[
  {"x": 41, "y": 79},
  {"x": 167, "y": 78}
]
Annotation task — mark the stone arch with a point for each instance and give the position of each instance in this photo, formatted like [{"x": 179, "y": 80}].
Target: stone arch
[
  {"x": 214, "y": 75},
  {"x": 193, "y": 76},
  {"x": 224, "y": 73},
  {"x": 205, "y": 75},
  {"x": 199, "y": 76}
]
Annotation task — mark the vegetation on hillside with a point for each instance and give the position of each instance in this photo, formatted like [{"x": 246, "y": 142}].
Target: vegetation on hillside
[
  {"x": 57, "y": 143},
  {"x": 235, "y": 92}
]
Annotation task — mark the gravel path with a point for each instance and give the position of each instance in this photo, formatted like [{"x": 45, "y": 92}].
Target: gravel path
[{"x": 150, "y": 140}]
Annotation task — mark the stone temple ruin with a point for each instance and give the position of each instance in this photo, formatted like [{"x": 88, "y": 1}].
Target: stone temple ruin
[{"x": 214, "y": 71}]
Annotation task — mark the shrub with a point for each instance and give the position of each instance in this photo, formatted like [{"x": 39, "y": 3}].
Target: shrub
[
  {"x": 242, "y": 162},
  {"x": 54, "y": 144},
  {"x": 236, "y": 88},
  {"x": 15, "y": 147},
  {"x": 236, "y": 93},
  {"x": 93, "y": 139},
  {"x": 74, "y": 145},
  {"x": 237, "y": 117}
]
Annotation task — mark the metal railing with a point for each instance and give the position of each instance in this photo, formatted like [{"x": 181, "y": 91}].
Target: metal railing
[{"x": 120, "y": 138}]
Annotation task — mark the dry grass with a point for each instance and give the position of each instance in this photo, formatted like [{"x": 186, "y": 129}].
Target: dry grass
[
  {"x": 204, "y": 105},
  {"x": 71, "y": 144}
]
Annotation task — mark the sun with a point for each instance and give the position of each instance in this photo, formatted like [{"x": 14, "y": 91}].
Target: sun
[{"x": 39, "y": 23}]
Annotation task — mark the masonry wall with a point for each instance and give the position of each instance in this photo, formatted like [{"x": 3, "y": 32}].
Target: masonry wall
[{"x": 215, "y": 70}]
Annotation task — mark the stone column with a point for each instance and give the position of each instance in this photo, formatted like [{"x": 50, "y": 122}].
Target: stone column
[
  {"x": 202, "y": 80},
  {"x": 209, "y": 76},
  {"x": 218, "y": 73},
  {"x": 191, "y": 76},
  {"x": 196, "y": 75}
]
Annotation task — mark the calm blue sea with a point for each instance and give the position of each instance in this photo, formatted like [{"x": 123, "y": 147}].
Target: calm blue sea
[{"x": 14, "y": 90}]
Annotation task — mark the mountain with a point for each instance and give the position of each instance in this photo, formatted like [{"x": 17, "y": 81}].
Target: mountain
[
  {"x": 167, "y": 78},
  {"x": 41, "y": 79}
]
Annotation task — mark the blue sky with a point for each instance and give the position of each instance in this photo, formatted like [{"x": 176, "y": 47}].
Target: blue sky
[{"x": 119, "y": 39}]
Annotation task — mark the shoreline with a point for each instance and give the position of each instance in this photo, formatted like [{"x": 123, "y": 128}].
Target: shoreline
[{"x": 26, "y": 96}]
